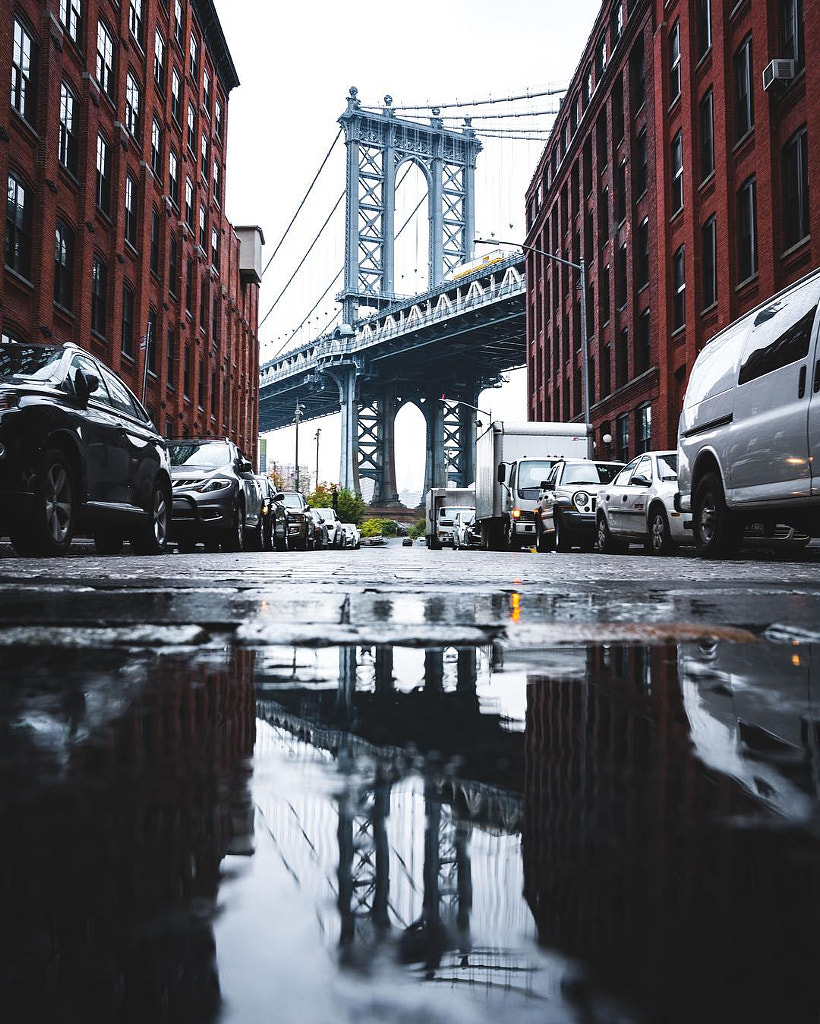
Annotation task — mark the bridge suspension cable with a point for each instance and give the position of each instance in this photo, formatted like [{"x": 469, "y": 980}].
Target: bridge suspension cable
[
  {"x": 304, "y": 199},
  {"x": 497, "y": 117},
  {"x": 554, "y": 91}
]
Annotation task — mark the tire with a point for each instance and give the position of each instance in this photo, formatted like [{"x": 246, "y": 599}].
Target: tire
[
  {"x": 233, "y": 538},
  {"x": 544, "y": 543},
  {"x": 254, "y": 540},
  {"x": 108, "y": 541},
  {"x": 659, "y": 537},
  {"x": 455, "y": 542},
  {"x": 280, "y": 543},
  {"x": 716, "y": 534},
  {"x": 152, "y": 537},
  {"x": 510, "y": 543},
  {"x": 607, "y": 544},
  {"x": 563, "y": 542},
  {"x": 267, "y": 535},
  {"x": 50, "y": 527}
]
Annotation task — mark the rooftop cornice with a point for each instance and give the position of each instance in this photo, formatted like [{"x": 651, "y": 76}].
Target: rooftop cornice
[{"x": 216, "y": 42}]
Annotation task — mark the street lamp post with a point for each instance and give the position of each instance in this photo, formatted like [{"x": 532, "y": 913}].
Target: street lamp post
[
  {"x": 316, "y": 435},
  {"x": 582, "y": 269},
  {"x": 297, "y": 419}
]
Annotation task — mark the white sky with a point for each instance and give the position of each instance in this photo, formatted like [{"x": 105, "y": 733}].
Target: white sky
[{"x": 296, "y": 62}]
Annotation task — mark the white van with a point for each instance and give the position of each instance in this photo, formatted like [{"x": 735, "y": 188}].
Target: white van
[{"x": 749, "y": 434}]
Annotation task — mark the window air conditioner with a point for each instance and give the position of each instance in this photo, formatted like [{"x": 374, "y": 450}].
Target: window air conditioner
[{"x": 779, "y": 70}]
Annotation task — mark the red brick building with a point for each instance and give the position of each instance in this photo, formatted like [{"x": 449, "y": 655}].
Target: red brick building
[
  {"x": 113, "y": 142},
  {"x": 684, "y": 185}
]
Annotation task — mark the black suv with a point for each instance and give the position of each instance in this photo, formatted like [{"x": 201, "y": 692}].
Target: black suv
[
  {"x": 300, "y": 521},
  {"x": 78, "y": 452},
  {"x": 216, "y": 497}
]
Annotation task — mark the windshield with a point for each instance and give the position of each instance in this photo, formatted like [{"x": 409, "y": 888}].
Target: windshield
[
  {"x": 293, "y": 500},
  {"x": 29, "y": 362},
  {"x": 668, "y": 467},
  {"x": 199, "y": 454},
  {"x": 325, "y": 514},
  {"x": 530, "y": 475},
  {"x": 450, "y": 511},
  {"x": 589, "y": 473}
]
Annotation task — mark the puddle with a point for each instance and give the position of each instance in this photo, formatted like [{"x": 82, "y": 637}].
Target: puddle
[{"x": 594, "y": 832}]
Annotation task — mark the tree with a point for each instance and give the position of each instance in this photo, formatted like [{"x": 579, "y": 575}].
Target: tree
[{"x": 350, "y": 509}]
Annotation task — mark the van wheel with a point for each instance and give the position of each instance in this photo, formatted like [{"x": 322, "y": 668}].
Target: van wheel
[
  {"x": 659, "y": 539},
  {"x": 716, "y": 535}
]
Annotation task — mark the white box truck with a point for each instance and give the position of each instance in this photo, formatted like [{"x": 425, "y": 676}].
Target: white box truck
[
  {"x": 511, "y": 461},
  {"x": 442, "y": 505}
]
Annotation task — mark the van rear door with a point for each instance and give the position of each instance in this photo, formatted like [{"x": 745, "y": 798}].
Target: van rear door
[
  {"x": 769, "y": 436},
  {"x": 814, "y": 410}
]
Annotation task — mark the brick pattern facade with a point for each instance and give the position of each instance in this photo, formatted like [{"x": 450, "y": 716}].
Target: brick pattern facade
[
  {"x": 203, "y": 366},
  {"x": 610, "y": 188}
]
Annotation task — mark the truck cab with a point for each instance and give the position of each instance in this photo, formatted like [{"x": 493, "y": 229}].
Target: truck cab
[{"x": 521, "y": 486}]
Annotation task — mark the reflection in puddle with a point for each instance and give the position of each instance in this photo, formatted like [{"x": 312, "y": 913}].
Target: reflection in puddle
[{"x": 441, "y": 834}]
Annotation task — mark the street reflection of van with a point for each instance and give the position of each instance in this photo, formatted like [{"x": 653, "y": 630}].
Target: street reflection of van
[
  {"x": 752, "y": 714},
  {"x": 749, "y": 434}
]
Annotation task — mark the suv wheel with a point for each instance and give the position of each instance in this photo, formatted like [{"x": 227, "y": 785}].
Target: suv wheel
[
  {"x": 152, "y": 537},
  {"x": 563, "y": 542},
  {"x": 659, "y": 541},
  {"x": 716, "y": 535},
  {"x": 234, "y": 538},
  {"x": 49, "y": 529}
]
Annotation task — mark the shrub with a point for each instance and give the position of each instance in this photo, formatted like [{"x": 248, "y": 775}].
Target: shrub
[
  {"x": 418, "y": 530},
  {"x": 371, "y": 528},
  {"x": 350, "y": 508}
]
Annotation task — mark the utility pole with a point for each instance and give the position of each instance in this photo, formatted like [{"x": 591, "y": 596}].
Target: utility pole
[
  {"x": 146, "y": 344},
  {"x": 297, "y": 419},
  {"x": 316, "y": 435}
]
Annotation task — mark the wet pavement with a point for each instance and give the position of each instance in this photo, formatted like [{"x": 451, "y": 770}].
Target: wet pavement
[{"x": 395, "y": 785}]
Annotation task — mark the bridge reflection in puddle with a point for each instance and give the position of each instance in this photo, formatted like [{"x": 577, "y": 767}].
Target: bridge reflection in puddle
[{"x": 548, "y": 835}]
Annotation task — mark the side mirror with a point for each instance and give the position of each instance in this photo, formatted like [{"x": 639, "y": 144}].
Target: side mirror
[
  {"x": 501, "y": 474},
  {"x": 640, "y": 481},
  {"x": 548, "y": 485},
  {"x": 543, "y": 485},
  {"x": 85, "y": 384},
  {"x": 244, "y": 466},
  {"x": 278, "y": 496}
]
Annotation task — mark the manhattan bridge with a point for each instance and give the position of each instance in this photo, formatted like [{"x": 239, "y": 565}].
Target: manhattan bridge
[{"x": 437, "y": 349}]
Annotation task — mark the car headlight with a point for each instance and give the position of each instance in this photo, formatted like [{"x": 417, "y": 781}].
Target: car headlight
[
  {"x": 216, "y": 484},
  {"x": 581, "y": 499}
]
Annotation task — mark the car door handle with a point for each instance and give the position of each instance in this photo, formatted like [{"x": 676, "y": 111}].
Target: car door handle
[
  {"x": 817, "y": 376},
  {"x": 801, "y": 382}
]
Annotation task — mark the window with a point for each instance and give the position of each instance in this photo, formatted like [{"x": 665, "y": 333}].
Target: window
[
  {"x": 169, "y": 357},
  {"x": 605, "y": 296},
  {"x": 67, "y": 138},
  {"x": 620, "y": 278},
  {"x": 173, "y": 177},
  {"x": 173, "y": 264},
  {"x": 620, "y": 193},
  {"x": 707, "y": 135},
  {"x": 151, "y": 341},
  {"x": 204, "y": 160},
  {"x": 179, "y": 22},
  {"x": 127, "y": 335},
  {"x": 156, "y": 148},
  {"x": 603, "y": 215},
  {"x": 791, "y": 32},
  {"x": 215, "y": 320},
  {"x": 135, "y": 19},
  {"x": 678, "y": 290},
  {"x": 155, "y": 227},
  {"x": 203, "y": 305},
  {"x": 600, "y": 59},
  {"x": 747, "y": 229},
  {"x": 218, "y": 119},
  {"x": 176, "y": 98},
  {"x": 641, "y": 165},
  {"x": 677, "y": 174},
  {"x": 674, "y": 62},
  {"x": 600, "y": 142},
  {"x": 643, "y": 429},
  {"x": 194, "y": 58},
  {"x": 206, "y": 90},
  {"x": 23, "y": 72},
  {"x": 606, "y": 371},
  {"x": 644, "y": 351},
  {"x": 189, "y": 286},
  {"x": 796, "y": 188},
  {"x": 217, "y": 193},
  {"x": 215, "y": 248},
  {"x": 744, "y": 102},
  {"x": 618, "y": 126},
  {"x": 121, "y": 397},
  {"x": 159, "y": 60},
  {"x": 622, "y": 437},
  {"x": 704, "y": 18},
  {"x": 616, "y": 21},
  {"x": 64, "y": 266},
  {"x": 200, "y": 389},
  {"x": 189, "y": 203},
  {"x": 105, "y": 59},
  {"x": 132, "y": 105},
  {"x": 781, "y": 338},
  {"x": 99, "y": 296},
  {"x": 637, "y": 75},
  {"x": 622, "y": 359},
  {"x": 203, "y": 227},
  {"x": 71, "y": 15},
  {"x": 642, "y": 254},
  {"x": 130, "y": 211},
  {"x": 186, "y": 373},
  {"x": 708, "y": 240},
  {"x": 103, "y": 185},
  {"x": 191, "y": 128},
  {"x": 586, "y": 87}
]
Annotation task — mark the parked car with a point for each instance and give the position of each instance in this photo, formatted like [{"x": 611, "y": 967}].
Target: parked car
[
  {"x": 335, "y": 533},
  {"x": 299, "y": 520},
  {"x": 466, "y": 532},
  {"x": 638, "y": 505},
  {"x": 749, "y": 433},
  {"x": 274, "y": 517},
  {"x": 216, "y": 498},
  {"x": 318, "y": 536},
  {"x": 352, "y": 536},
  {"x": 565, "y": 513},
  {"x": 78, "y": 452}
]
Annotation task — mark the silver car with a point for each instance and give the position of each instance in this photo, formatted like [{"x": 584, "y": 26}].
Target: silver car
[
  {"x": 465, "y": 532},
  {"x": 638, "y": 506}
]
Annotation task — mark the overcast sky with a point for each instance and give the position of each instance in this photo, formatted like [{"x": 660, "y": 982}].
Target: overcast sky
[{"x": 296, "y": 62}]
